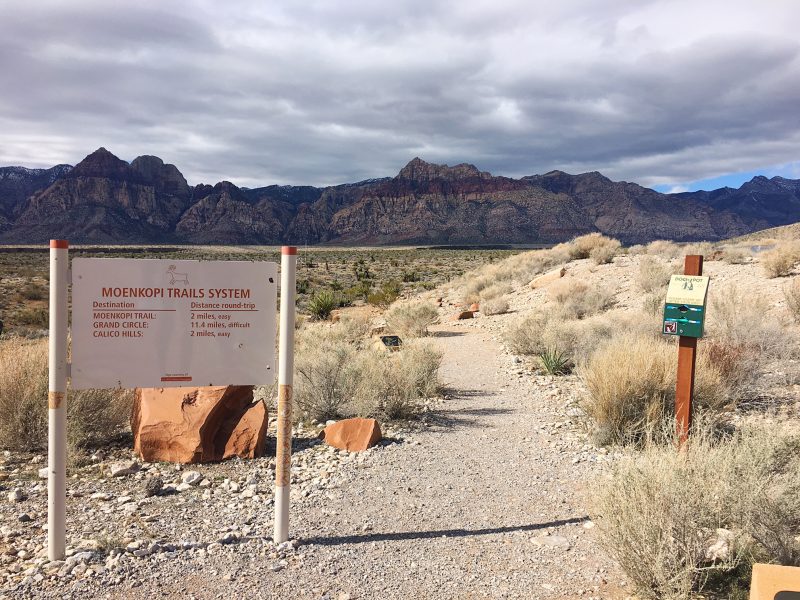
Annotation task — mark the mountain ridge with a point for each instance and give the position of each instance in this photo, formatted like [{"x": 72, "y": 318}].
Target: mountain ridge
[{"x": 104, "y": 199}]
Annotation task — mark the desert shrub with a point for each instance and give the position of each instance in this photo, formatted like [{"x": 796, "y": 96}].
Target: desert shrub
[
  {"x": 636, "y": 250},
  {"x": 32, "y": 291},
  {"x": 792, "y": 294},
  {"x": 664, "y": 249},
  {"x": 393, "y": 385},
  {"x": 355, "y": 326},
  {"x": 93, "y": 416},
  {"x": 583, "y": 246},
  {"x": 388, "y": 293},
  {"x": 704, "y": 249},
  {"x": 495, "y": 290},
  {"x": 412, "y": 319},
  {"x": 661, "y": 512},
  {"x": 653, "y": 304},
  {"x": 495, "y": 306},
  {"x": 576, "y": 299},
  {"x": 654, "y": 274},
  {"x": 322, "y": 304},
  {"x": 735, "y": 255},
  {"x": 630, "y": 384},
  {"x": 780, "y": 261},
  {"x": 33, "y": 317},
  {"x": 555, "y": 362},
  {"x": 746, "y": 321},
  {"x": 326, "y": 373},
  {"x": 604, "y": 254}
]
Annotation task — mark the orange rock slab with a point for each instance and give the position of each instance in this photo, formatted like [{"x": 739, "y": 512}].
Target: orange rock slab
[
  {"x": 353, "y": 435},
  {"x": 197, "y": 425}
]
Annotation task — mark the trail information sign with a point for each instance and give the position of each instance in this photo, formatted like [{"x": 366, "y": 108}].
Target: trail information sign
[
  {"x": 166, "y": 323},
  {"x": 685, "y": 308}
]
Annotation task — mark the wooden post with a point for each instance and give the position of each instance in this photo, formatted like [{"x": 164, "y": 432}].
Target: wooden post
[
  {"x": 57, "y": 403},
  {"x": 283, "y": 453},
  {"x": 687, "y": 356}
]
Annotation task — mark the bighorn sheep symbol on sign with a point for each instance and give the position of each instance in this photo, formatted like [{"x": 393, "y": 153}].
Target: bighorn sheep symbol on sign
[{"x": 177, "y": 277}]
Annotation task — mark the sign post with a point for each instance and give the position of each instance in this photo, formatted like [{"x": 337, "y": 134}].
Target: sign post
[
  {"x": 684, "y": 315},
  {"x": 283, "y": 453},
  {"x": 57, "y": 402}
]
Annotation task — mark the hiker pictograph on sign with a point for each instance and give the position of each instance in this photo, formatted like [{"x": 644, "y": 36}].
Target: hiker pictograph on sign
[
  {"x": 175, "y": 277},
  {"x": 688, "y": 285}
]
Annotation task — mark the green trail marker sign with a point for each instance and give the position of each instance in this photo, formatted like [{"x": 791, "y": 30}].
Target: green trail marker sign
[{"x": 685, "y": 308}]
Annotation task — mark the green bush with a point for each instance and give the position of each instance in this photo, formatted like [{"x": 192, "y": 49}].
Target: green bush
[
  {"x": 411, "y": 320},
  {"x": 322, "y": 304},
  {"x": 555, "y": 362}
]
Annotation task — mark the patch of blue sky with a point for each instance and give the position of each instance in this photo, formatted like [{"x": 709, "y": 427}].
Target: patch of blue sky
[{"x": 734, "y": 180}]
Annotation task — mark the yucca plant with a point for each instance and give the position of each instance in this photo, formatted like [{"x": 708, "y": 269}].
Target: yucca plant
[
  {"x": 555, "y": 362},
  {"x": 321, "y": 305}
]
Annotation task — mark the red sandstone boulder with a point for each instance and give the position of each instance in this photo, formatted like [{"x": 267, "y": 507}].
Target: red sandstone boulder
[
  {"x": 353, "y": 435},
  {"x": 464, "y": 314},
  {"x": 194, "y": 425},
  {"x": 475, "y": 307}
]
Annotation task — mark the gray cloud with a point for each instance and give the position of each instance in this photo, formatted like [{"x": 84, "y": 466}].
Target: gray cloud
[{"x": 320, "y": 92}]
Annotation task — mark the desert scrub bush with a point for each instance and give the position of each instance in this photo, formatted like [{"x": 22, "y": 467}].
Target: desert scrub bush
[
  {"x": 583, "y": 246},
  {"x": 630, "y": 383},
  {"x": 792, "y": 294},
  {"x": 654, "y": 274},
  {"x": 495, "y": 306},
  {"x": 736, "y": 255},
  {"x": 604, "y": 254},
  {"x": 32, "y": 291},
  {"x": 94, "y": 417},
  {"x": 32, "y": 317},
  {"x": 780, "y": 261},
  {"x": 653, "y": 304},
  {"x": 661, "y": 512},
  {"x": 355, "y": 325},
  {"x": 327, "y": 375},
  {"x": 704, "y": 249},
  {"x": 745, "y": 320},
  {"x": 411, "y": 320},
  {"x": 664, "y": 249},
  {"x": 577, "y": 300},
  {"x": 495, "y": 290},
  {"x": 322, "y": 304},
  {"x": 394, "y": 385}
]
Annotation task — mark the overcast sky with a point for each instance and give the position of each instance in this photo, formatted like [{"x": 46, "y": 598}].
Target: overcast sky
[{"x": 664, "y": 93}]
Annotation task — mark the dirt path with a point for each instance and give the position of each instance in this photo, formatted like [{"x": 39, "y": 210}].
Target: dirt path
[{"x": 486, "y": 502}]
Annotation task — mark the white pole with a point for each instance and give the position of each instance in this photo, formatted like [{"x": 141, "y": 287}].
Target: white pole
[
  {"x": 57, "y": 403},
  {"x": 283, "y": 452}
]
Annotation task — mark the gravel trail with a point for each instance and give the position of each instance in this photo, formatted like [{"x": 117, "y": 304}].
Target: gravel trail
[{"x": 487, "y": 501}]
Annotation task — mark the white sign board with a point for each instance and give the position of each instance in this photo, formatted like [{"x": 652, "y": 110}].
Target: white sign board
[{"x": 168, "y": 323}]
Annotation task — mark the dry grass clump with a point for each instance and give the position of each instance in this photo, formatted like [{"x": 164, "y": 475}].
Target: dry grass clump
[
  {"x": 781, "y": 260},
  {"x": 394, "y": 385},
  {"x": 792, "y": 294},
  {"x": 736, "y": 255},
  {"x": 704, "y": 249},
  {"x": 654, "y": 274},
  {"x": 339, "y": 377},
  {"x": 680, "y": 523},
  {"x": 630, "y": 385},
  {"x": 577, "y": 300},
  {"x": 355, "y": 325},
  {"x": 94, "y": 417},
  {"x": 585, "y": 245},
  {"x": 495, "y": 306},
  {"x": 411, "y": 320},
  {"x": 495, "y": 290},
  {"x": 745, "y": 321},
  {"x": 664, "y": 249},
  {"x": 604, "y": 254}
]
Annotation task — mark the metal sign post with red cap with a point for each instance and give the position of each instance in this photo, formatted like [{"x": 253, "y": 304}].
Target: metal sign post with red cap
[
  {"x": 57, "y": 402},
  {"x": 283, "y": 453}
]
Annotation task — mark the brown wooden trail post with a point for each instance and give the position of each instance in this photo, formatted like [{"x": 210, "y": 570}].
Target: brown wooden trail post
[{"x": 687, "y": 355}]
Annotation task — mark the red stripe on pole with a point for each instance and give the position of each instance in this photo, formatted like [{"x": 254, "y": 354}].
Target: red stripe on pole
[
  {"x": 64, "y": 244},
  {"x": 176, "y": 379},
  {"x": 290, "y": 250}
]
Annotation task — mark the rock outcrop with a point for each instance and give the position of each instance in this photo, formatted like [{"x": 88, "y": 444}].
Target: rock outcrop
[
  {"x": 353, "y": 435},
  {"x": 196, "y": 425}
]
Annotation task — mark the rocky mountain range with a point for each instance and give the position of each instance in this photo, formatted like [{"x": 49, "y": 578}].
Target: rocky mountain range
[{"x": 104, "y": 199}]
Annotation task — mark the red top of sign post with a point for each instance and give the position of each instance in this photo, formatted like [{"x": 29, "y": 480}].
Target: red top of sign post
[
  {"x": 62, "y": 244},
  {"x": 290, "y": 250}
]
